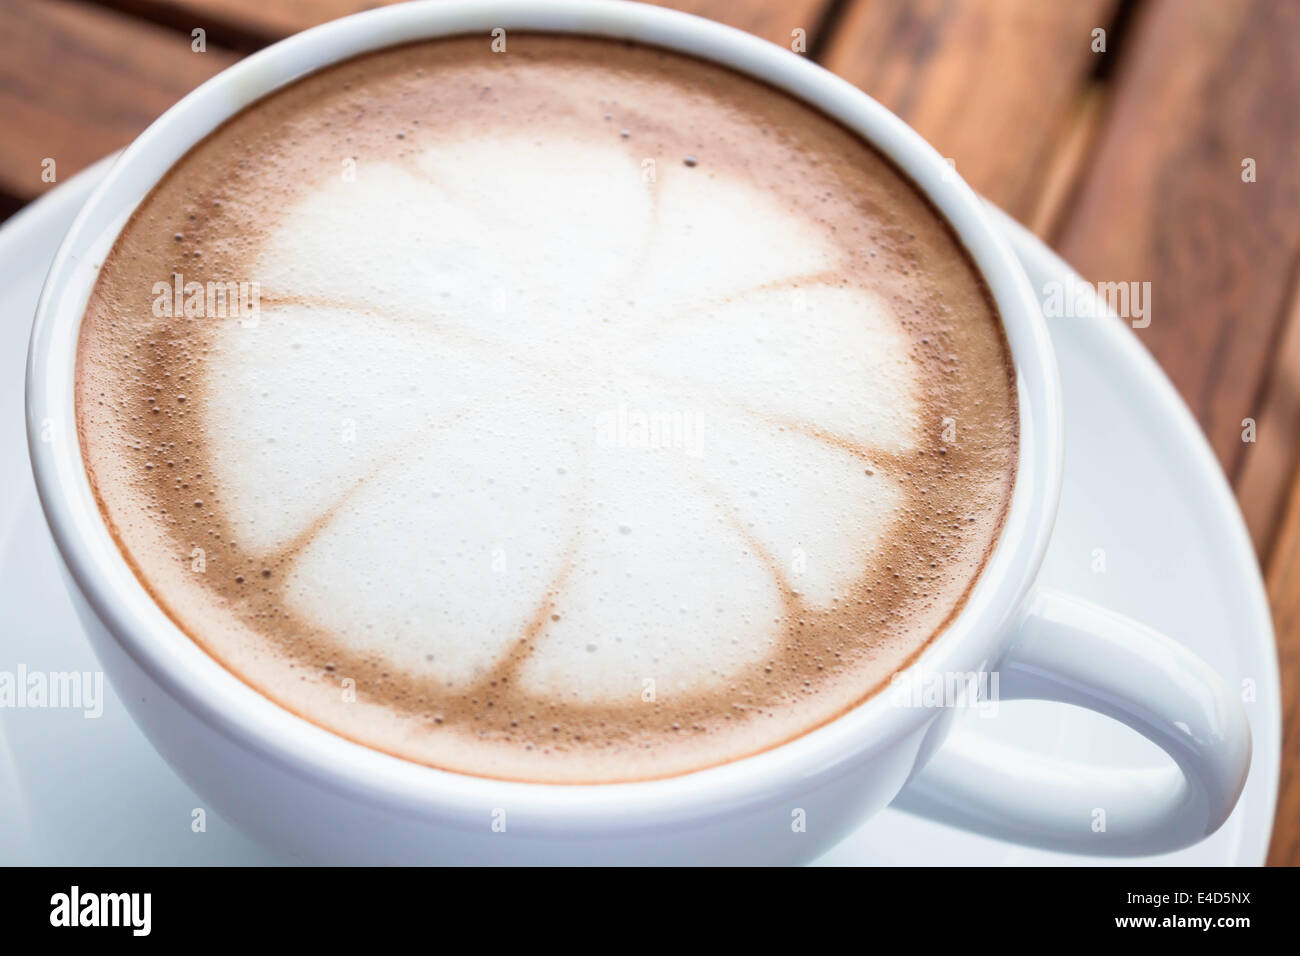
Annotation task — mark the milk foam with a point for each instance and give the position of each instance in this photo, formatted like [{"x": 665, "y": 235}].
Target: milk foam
[
  {"x": 583, "y": 451},
  {"x": 442, "y": 447}
]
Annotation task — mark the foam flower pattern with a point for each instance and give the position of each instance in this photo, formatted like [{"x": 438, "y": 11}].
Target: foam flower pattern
[{"x": 638, "y": 438}]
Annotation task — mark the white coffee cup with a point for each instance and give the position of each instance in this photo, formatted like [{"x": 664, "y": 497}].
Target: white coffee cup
[{"x": 300, "y": 787}]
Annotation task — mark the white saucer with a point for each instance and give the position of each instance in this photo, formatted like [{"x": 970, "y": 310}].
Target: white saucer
[{"x": 1141, "y": 483}]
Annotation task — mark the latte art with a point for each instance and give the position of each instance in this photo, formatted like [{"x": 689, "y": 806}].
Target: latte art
[
  {"x": 606, "y": 414},
  {"x": 475, "y": 424}
]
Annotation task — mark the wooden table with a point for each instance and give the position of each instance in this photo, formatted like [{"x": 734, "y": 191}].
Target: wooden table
[{"x": 1129, "y": 161}]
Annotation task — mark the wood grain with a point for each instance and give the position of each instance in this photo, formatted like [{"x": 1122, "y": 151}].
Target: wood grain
[
  {"x": 1203, "y": 86},
  {"x": 773, "y": 20},
  {"x": 1269, "y": 466},
  {"x": 78, "y": 81},
  {"x": 991, "y": 85},
  {"x": 1063, "y": 172},
  {"x": 245, "y": 21},
  {"x": 1282, "y": 411},
  {"x": 1284, "y": 596}
]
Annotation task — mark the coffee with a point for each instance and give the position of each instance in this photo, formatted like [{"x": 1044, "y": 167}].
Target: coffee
[{"x": 579, "y": 413}]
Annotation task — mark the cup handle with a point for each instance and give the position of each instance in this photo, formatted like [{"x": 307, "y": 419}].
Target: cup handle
[{"x": 1075, "y": 652}]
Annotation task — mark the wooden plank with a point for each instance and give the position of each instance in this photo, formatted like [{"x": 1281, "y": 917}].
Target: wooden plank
[
  {"x": 1284, "y": 595},
  {"x": 773, "y": 20},
  {"x": 78, "y": 81},
  {"x": 257, "y": 19},
  {"x": 1203, "y": 86},
  {"x": 249, "y": 23},
  {"x": 1269, "y": 465},
  {"x": 1063, "y": 172},
  {"x": 1262, "y": 474},
  {"x": 991, "y": 85}
]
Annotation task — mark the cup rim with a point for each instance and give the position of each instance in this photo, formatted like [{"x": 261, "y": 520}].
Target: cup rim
[{"x": 973, "y": 641}]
